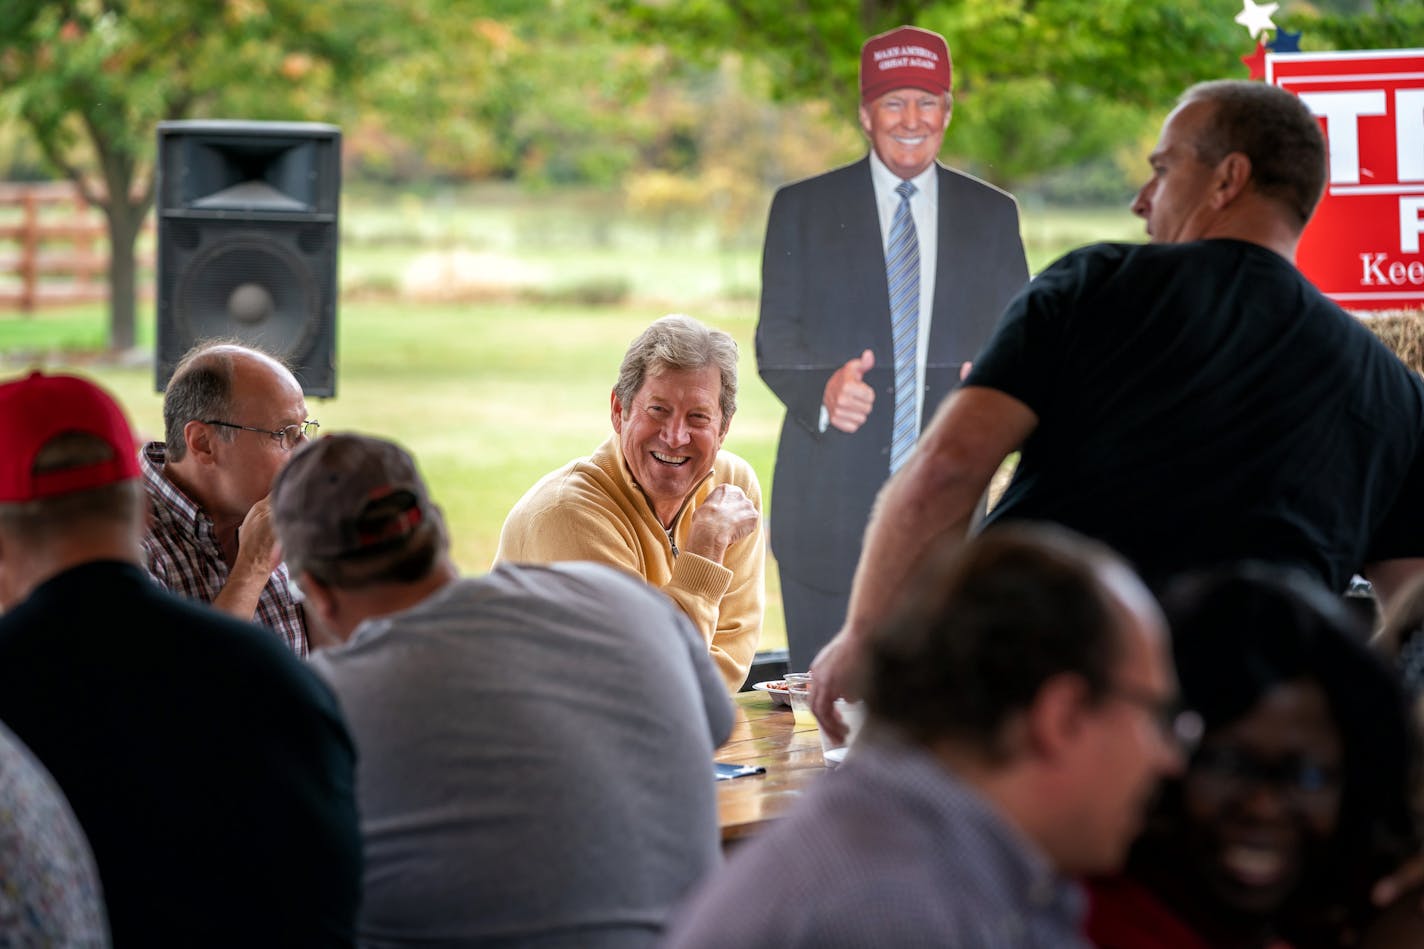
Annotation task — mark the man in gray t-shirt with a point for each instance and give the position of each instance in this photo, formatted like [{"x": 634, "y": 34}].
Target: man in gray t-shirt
[{"x": 535, "y": 744}]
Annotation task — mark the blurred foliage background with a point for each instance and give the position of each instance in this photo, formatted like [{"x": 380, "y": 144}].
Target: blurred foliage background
[{"x": 679, "y": 105}]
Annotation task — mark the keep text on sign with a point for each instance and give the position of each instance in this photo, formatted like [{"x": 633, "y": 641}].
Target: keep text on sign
[{"x": 1363, "y": 247}]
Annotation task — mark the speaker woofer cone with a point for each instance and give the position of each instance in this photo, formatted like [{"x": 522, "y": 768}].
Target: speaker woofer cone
[{"x": 249, "y": 285}]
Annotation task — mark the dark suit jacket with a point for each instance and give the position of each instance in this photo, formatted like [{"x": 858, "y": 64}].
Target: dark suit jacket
[{"x": 824, "y": 300}]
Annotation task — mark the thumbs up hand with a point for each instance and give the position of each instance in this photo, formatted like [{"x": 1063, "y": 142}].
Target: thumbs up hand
[{"x": 847, "y": 398}]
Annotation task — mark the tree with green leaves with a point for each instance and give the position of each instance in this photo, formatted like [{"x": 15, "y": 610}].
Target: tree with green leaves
[
  {"x": 1039, "y": 84},
  {"x": 528, "y": 89},
  {"x": 554, "y": 91},
  {"x": 91, "y": 79}
]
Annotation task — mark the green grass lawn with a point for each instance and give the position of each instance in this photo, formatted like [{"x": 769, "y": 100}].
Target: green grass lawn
[{"x": 490, "y": 396}]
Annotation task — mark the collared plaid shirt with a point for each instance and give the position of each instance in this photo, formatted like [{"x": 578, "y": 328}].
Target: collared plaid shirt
[{"x": 183, "y": 555}]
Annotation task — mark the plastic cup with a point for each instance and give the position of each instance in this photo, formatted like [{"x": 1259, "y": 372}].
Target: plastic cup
[
  {"x": 800, "y": 694},
  {"x": 853, "y": 715}
]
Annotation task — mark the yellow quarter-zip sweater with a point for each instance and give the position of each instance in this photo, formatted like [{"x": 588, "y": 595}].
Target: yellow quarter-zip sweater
[{"x": 592, "y": 509}]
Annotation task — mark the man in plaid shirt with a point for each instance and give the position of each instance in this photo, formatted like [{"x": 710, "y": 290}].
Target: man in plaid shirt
[{"x": 231, "y": 417}]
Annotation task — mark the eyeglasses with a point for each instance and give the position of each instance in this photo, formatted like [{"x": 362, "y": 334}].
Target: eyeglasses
[
  {"x": 1179, "y": 726},
  {"x": 290, "y": 437},
  {"x": 1231, "y": 770}
]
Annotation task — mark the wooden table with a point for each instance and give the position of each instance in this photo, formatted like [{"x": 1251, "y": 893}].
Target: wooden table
[{"x": 766, "y": 734}]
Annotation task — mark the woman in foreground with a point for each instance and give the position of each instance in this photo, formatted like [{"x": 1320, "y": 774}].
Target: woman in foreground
[{"x": 1297, "y": 800}]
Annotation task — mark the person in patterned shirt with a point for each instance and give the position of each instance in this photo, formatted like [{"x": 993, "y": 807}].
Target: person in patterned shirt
[
  {"x": 49, "y": 886},
  {"x": 231, "y": 417}
]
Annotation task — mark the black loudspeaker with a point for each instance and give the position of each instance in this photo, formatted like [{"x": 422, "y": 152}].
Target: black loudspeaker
[{"x": 247, "y": 236}]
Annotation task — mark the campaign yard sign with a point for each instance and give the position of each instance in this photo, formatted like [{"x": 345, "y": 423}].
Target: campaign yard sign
[{"x": 1362, "y": 248}]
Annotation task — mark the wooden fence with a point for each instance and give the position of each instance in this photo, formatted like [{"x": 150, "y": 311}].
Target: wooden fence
[{"x": 54, "y": 248}]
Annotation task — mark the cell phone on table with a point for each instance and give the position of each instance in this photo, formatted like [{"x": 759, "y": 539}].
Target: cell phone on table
[{"x": 726, "y": 772}]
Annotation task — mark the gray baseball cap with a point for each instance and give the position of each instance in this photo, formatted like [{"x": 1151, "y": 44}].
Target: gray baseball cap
[{"x": 349, "y": 497}]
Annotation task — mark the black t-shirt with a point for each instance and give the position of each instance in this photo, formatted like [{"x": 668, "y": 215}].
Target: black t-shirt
[
  {"x": 211, "y": 771},
  {"x": 1202, "y": 403}
]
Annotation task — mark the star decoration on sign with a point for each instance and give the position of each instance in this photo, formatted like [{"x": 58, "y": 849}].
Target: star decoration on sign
[
  {"x": 1256, "y": 17},
  {"x": 1256, "y": 62},
  {"x": 1286, "y": 42}
]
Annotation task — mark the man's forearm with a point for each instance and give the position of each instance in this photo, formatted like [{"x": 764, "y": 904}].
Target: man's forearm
[
  {"x": 932, "y": 499},
  {"x": 699, "y": 586},
  {"x": 240, "y": 593},
  {"x": 1390, "y": 577},
  {"x": 918, "y": 509}
]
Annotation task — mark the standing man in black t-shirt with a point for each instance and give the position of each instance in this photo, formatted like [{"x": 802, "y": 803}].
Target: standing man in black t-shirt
[{"x": 1190, "y": 401}]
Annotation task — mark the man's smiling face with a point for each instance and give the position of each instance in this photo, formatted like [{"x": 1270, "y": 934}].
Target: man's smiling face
[
  {"x": 670, "y": 434},
  {"x": 906, "y": 128}
]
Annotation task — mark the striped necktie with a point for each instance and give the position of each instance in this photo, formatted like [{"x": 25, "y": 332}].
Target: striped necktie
[{"x": 903, "y": 273}]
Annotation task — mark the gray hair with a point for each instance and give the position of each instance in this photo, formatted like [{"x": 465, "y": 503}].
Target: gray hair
[
  {"x": 683, "y": 344},
  {"x": 1272, "y": 128}
]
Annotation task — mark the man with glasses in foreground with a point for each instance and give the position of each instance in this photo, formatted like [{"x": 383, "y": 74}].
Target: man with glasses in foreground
[
  {"x": 231, "y": 417},
  {"x": 1022, "y": 709}
]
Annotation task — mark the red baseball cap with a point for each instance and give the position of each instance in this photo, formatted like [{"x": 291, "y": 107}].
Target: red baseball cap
[
  {"x": 34, "y": 410},
  {"x": 906, "y": 57}
]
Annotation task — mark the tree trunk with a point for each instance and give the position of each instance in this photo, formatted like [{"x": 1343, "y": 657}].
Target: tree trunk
[
  {"x": 125, "y": 211},
  {"x": 124, "y": 222}
]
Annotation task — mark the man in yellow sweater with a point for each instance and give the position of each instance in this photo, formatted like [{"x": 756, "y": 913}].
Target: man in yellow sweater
[{"x": 660, "y": 498}]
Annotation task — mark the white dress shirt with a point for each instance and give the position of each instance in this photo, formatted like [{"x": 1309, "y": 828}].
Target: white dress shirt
[{"x": 924, "y": 208}]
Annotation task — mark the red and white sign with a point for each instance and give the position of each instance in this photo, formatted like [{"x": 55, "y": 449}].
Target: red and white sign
[{"x": 1363, "y": 247}]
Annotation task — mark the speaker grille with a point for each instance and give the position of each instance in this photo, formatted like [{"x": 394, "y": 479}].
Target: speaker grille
[
  {"x": 249, "y": 286},
  {"x": 185, "y": 235},
  {"x": 313, "y": 239}
]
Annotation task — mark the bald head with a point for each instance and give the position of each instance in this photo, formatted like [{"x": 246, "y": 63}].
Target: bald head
[
  {"x": 205, "y": 385},
  {"x": 228, "y": 414}
]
